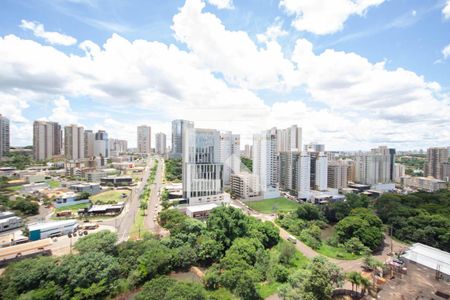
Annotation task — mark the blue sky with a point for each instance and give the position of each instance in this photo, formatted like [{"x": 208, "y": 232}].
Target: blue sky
[{"x": 353, "y": 74}]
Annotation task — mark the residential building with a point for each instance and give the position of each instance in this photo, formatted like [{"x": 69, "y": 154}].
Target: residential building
[
  {"x": 74, "y": 142},
  {"x": 373, "y": 167},
  {"x": 288, "y": 166},
  {"x": 117, "y": 147},
  {"x": 337, "y": 174},
  {"x": 427, "y": 184},
  {"x": 321, "y": 172},
  {"x": 436, "y": 157},
  {"x": 399, "y": 172},
  {"x": 230, "y": 154},
  {"x": 303, "y": 176},
  {"x": 101, "y": 144},
  {"x": 47, "y": 140},
  {"x": 289, "y": 139},
  {"x": 245, "y": 186},
  {"x": 91, "y": 188},
  {"x": 265, "y": 162},
  {"x": 178, "y": 128},
  {"x": 4, "y": 136},
  {"x": 313, "y": 147},
  {"x": 144, "y": 139},
  {"x": 89, "y": 141},
  {"x": 202, "y": 169},
  {"x": 248, "y": 151},
  {"x": 161, "y": 143}
]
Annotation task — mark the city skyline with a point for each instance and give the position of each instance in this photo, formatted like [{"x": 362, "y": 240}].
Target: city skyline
[{"x": 345, "y": 82}]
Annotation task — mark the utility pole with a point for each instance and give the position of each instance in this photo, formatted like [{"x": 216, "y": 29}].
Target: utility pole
[{"x": 392, "y": 244}]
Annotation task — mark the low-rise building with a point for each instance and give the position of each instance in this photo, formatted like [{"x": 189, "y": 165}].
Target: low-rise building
[
  {"x": 91, "y": 188},
  {"x": 244, "y": 186},
  {"x": 435, "y": 260},
  {"x": 51, "y": 229},
  {"x": 117, "y": 180},
  {"x": 9, "y": 221},
  {"x": 94, "y": 176},
  {"x": 68, "y": 199},
  {"x": 34, "y": 187},
  {"x": 427, "y": 184},
  {"x": 200, "y": 211}
]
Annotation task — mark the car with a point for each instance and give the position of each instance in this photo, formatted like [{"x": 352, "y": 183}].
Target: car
[{"x": 292, "y": 239}]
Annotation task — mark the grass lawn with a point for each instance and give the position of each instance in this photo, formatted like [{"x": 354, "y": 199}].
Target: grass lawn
[
  {"x": 335, "y": 252},
  {"x": 109, "y": 197},
  {"x": 54, "y": 183},
  {"x": 275, "y": 205},
  {"x": 74, "y": 207},
  {"x": 267, "y": 289},
  {"x": 222, "y": 294}
]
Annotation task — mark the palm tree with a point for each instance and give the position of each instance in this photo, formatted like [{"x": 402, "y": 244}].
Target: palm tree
[
  {"x": 366, "y": 284},
  {"x": 354, "y": 278}
]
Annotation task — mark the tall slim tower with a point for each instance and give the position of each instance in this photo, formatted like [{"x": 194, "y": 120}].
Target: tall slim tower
[
  {"x": 47, "y": 140},
  {"x": 303, "y": 176},
  {"x": 160, "y": 143},
  {"x": 289, "y": 139},
  {"x": 178, "y": 132},
  {"x": 89, "y": 141},
  {"x": 265, "y": 162},
  {"x": 230, "y": 155},
  {"x": 202, "y": 170},
  {"x": 74, "y": 142},
  {"x": 144, "y": 139},
  {"x": 4, "y": 136},
  {"x": 101, "y": 144}
]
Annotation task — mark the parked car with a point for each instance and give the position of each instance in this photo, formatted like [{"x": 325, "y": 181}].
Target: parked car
[{"x": 292, "y": 239}]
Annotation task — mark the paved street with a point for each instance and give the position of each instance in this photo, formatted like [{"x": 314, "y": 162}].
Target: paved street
[
  {"x": 125, "y": 221},
  {"x": 154, "y": 206}
]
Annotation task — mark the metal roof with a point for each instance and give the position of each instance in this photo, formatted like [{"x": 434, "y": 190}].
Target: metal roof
[
  {"x": 50, "y": 225},
  {"x": 203, "y": 207},
  {"x": 430, "y": 257}
]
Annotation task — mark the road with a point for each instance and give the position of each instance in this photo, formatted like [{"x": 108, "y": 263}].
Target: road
[
  {"x": 154, "y": 206},
  {"x": 125, "y": 221},
  {"x": 346, "y": 265}
]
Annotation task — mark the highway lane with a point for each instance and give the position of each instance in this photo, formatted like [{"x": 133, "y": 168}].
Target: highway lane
[{"x": 154, "y": 205}]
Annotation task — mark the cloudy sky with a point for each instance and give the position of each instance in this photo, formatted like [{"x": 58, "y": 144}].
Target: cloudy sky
[{"x": 353, "y": 73}]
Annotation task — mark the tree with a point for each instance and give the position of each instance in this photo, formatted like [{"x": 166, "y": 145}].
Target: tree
[
  {"x": 246, "y": 248},
  {"x": 186, "y": 290},
  {"x": 226, "y": 223},
  {"x": 287, "y": 253},
  {"x": 208, "y": 250},
  {"x": 84, "y": 195},
  {"x": 25, "y": 206},
  {"x": 103, "y": 242},
  {"x": 309, "y": 212},
  {"x": 247, "y": 162},
  {"x": 354, "y": 278},
  {"x": 156, "y": 289},
  {"x": 143, "y": 205},
  {"x": 366, "y": 284},
  {"x": 355, "y": 246}
]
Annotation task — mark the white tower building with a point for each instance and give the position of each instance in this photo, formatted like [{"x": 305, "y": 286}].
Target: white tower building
[{"x": 230, "y": 154}]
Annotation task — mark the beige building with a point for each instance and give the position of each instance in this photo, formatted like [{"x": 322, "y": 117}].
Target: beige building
[
  {"x": 89, "y": 141},
  {"x": 74, "y": 142},
  {"x": 337, "y": 174},
  {"x": 160, "y": 139},
  {"x": 244, "y": 186},
  {"x": 436, "y": 157},
  {"x": 144, "y": 137},
  {"x": 428, "y": 184},
  {"x": 47, "y": 140}
]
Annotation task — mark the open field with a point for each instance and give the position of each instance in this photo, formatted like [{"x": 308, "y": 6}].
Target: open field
[
  {"x": 110, "y": 197},
  {"x": 335, "y": 252},
  {"x": 54, "y": 183},
  {"x": 275, "y": 205},
  {"x": 74, "y": 207}
]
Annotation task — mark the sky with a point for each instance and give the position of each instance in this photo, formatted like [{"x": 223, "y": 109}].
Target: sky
[{"x": 354, "y": 74}]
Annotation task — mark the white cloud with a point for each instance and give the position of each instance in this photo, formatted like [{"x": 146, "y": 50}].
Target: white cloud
[
  {"x": 446, "y": 51},
  {"x": 63, "y": 113},
  {"x": 272, "y": 33},
  {"x": 325, "y": 16},
  {"x": 446, "y": 10},
  {"x": 222, "y": 4},
  {"x": 54, "y": 38},
  {"x": 233, "y": 53}
]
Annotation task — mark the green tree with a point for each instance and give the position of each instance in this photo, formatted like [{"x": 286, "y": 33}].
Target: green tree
[
  {"x": 25, "y": 206},
  {"x": 354, "y": 278},
  {"x": 103, "y": 241},
  {"x": 156, "y": 289},
  {"x": 227, "y": 223},
  {"x": 208, "y": 250},
  {"x": 287, "y": 253},
  {"x": 309, "y": 212}
]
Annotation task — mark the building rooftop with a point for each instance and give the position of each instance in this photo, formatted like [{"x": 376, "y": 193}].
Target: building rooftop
[
  {"x": 6, "y": 214},
  {"x": 49, "y": 225},
  {"x": 430, "y": 257},
  {"x": 203, "y": 207}
]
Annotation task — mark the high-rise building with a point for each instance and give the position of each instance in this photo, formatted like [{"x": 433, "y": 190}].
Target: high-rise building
[
  {"x": 117, "y": 146},
  {"x": 161, "y": 143},
  {"x": 313, "y": 147},
  {"x": 373, "y": 167},
  {"x": 4, "y": 136},
  {"x": 436, "y": 157},
  {"x": 202, "y": 169},
  {"x": 399, "y": 172},
  {"x": 230, "y": 154},
  {"x": 337, "y": 174},
  {"x": 321, "y": 172},
  {"x": 288, "y": 167},
  {"x": 178, "y": 128},
  {"x": 89, "y": 141},
  {"x": 47, "y": 140},
  {"x": 248, "y": 151},
  {"x": 391, "y": 164},
  {"x": 303, "y": 176},
  {"x": 74, "y": 142},
  {"x": 289, "y": 139},
  {"x": 101, "y": 144},
  {"x": 144, "y": 137},
  {"x": 265, "y": 162}
]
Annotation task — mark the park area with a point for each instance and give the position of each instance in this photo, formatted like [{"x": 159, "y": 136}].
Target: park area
[
  {"x": 275, "y": 205},
  {"x": 110, "y": 197}
]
